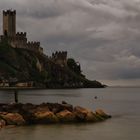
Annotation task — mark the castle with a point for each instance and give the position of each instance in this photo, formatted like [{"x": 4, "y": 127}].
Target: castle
[
  {"x": 60, "y": 58},
  {"x": 19, "y": 39}
]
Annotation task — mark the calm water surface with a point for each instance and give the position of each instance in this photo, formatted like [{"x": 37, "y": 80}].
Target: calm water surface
[{"x": 122, "y": 103}]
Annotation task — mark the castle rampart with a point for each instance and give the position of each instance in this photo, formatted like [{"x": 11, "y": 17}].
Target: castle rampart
[
  {"x": 34, "y": 46},
  {"x": 21, "y": 34},
  {"x": 19, "y": 39},
  {"x": 60, "y": 58},
  {"x": 9, "y": 12},
  {"x": 9, "y": 23}
]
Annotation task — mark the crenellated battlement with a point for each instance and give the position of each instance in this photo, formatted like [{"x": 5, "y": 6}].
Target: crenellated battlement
[
  {"x": 34, "y": 46},
  {"x": 21, "y": 34},
  {"x": 19, "y": 39},
  {"x": 60, "y": 57},
  {"x": 33, "y": 43},
  {"x": 9, "y": 12}
]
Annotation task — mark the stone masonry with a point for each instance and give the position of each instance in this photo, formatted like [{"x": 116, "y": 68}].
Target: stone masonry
[{"x": 19, "y": 39}]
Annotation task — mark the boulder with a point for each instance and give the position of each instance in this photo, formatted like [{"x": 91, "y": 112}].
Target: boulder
[
  {"x": 68, "y": 107},
  {"x": 101, "y": 113},
  {"x": 56, "y": 108},
  {"x": 2, "y": 123},
  {"x": 12, "y": 118},
  {"x": 20, "y": 114},
  {"x": 28, "y": 107},
  {"x": 64, "y": 102},
  {"x": 86, "y": 115},
  {"x": 66, "y": 116},
  {"x": 91, "y": 117},
  {"x": 41, "y": 109},
  {"x": 44, "y": 117},
  {"x": 80, "y": 113},
  {"x": 12, "y": 107}
]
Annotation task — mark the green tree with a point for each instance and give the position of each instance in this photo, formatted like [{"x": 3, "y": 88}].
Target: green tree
[{"x": 74, "y": 66}]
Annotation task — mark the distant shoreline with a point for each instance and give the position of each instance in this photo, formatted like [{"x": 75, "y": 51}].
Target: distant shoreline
[
  {"x": 124, "y": 86},
  {"x": 18, "y": 88},
  {"x": 40, "y": 88}
]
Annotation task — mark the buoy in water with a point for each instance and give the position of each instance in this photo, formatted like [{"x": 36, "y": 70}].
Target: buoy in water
[{"x": 95, "y": 97}]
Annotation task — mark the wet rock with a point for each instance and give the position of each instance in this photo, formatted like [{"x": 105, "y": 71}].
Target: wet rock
[
  {"x": 20, "y": 114},
  {"x": 67, "y": 107},
  {"x": 41, "y": 109},
  {"x": 80, "y": 113},
  {"x": 27, "y": 111},
  {"x": 85, "y": 115},
  {"x": 12, "y": 118},
  {"x": 102, "y": 114},
  {"x": 63, "y": 102},
  {"x": 91, "y": 117},
  {"x": 66, "y": 116},
  {"x": 44, "y": 117},
  {"x": 2, "y": 123},
  {"x": 56, "y": 108},
  {"x": 12, "y": 108},
  {"x": 28, "y": 107},
  {"x": 1, "y": 107}
]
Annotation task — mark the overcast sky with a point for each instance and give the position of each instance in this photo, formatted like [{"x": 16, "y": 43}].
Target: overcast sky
[{"x": 103, "y": 35}]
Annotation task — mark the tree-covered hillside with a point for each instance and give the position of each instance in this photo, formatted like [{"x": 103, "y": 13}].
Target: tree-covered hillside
[{"x": 20, "y": 65}]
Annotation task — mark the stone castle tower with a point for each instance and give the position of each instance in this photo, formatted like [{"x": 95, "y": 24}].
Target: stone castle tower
[
  {"x": 60, "y": 58},
  {"x": 9, "y": 23},
  {"x": 17, "y": 39}
]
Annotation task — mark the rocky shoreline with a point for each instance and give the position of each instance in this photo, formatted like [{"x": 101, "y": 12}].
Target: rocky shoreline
[{"x": 46, "y": 113}]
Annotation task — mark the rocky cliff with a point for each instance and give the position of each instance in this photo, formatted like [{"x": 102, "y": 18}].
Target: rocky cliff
[{"x": 24, "y": 66}]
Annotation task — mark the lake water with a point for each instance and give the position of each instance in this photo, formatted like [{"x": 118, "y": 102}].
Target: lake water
[{"x": 122, "y": 103}]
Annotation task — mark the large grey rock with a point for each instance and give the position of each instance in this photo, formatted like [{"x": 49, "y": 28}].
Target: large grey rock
[
  {"x": 20, "y": 114},
  {"x": 12, "y": 118},
  {"x": 80, "y": 113},
  {"x": 66, "y": 116},
  {"x": 56, "y": 108},
  {"x": 102, "y": 114},
  {"x": 44, "y": 117},
  {"x": 2, "y": 123},
  {"x": 86, "y": 115},
  {"x": 91, "y": 117}
]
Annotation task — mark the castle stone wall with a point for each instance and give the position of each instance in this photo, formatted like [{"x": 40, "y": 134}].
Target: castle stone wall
[
  {"x": 9, "y": 23},
  {"x": 34, "y": 46},
  {"x": 60, "y": 58},
  {"x": 19, "y": 39}
]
